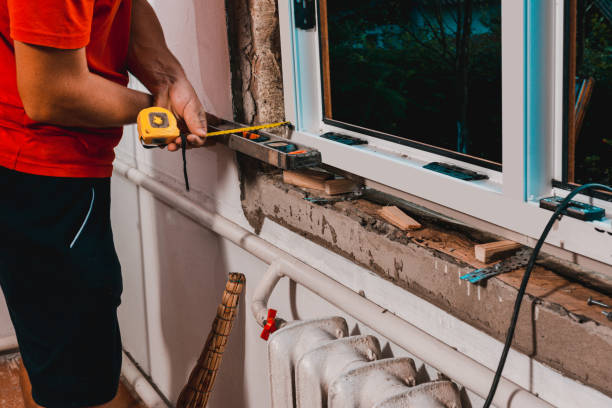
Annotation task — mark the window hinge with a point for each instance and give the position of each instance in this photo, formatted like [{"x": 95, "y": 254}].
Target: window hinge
[
  {"x": 455, "y": 171},
  {"x": 305, "y": 17}
]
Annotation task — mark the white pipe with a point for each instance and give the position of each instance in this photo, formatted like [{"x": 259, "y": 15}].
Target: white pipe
[
  {"x": 259, "y": 302},
  {"x": 471, "y": 374},
  {"x": 136, "y": 381},
  {"x": 8, "y": 344}
]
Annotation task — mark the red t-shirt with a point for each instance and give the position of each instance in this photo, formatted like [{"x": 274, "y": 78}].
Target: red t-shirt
[{"x": 103, "y": 27}]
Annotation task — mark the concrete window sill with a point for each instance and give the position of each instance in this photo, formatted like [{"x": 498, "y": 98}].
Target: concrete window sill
[{"x": 555, "y": 326}]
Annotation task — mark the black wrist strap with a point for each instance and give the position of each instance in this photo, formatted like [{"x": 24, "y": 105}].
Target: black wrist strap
[{"x": 184, "y": 151}]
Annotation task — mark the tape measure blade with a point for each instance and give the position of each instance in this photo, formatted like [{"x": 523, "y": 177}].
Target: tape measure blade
[{"x": 243, "y": 128}]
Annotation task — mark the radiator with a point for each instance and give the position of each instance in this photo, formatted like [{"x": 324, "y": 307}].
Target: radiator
[{"x": 315, "y": 364}]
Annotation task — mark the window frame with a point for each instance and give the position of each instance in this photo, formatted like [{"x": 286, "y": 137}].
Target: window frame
[
  {"x": 342, "y": 127},
  {"x": 562, "y": 176},
  {"x": 509, "y": 198}
]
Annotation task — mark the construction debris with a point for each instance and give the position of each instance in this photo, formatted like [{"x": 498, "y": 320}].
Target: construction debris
[
  {"x": 318, "y": 180},
  {"x": 400, "y": 219},
  {"x": 494, "y": 251},
  {"x": 307, "y": 178},
  {"x": 340, "y": 186}
]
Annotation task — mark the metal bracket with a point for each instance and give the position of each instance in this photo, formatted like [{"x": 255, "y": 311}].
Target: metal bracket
[
  {"x": 455, "y": 171},
  {"x": 519, "y": 260}
]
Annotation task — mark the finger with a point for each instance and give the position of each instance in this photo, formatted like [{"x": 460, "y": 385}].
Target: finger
[
  {"x": 195, "y": 117},
  {"x": 195, "y": 140},
  {"x": 192, "y": 141}
]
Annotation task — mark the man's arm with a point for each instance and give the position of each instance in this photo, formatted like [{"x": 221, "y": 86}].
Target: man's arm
[
  {"x": 56, "y": 87},
  {"x": 150, "y": 60}
]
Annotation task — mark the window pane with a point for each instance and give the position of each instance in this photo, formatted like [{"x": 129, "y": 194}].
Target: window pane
[
  {"x": 424, "y": 70},
  {"x": 589, "y": 146}
]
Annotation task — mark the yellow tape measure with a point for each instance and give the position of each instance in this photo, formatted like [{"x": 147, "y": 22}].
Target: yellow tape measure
[
  {"x": 158, "y": 126},
  {"x": 247, "y": 129}
]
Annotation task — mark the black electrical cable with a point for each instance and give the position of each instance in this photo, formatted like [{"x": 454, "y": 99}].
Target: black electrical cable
[{"x": 521, "y": 292}]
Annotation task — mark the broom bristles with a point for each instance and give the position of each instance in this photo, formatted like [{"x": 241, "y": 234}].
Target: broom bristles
[{"x": 202, "y": 377}]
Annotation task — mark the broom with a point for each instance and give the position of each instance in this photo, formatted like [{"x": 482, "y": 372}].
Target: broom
[{"x": 198, "y": 388}]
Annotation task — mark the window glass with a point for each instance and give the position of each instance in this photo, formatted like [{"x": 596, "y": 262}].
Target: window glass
[
  {"x": 424, "y": 71},
  {"x": 589, "y": 91}
]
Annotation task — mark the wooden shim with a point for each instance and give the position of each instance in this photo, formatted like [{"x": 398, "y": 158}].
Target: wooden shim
[
  {"x": 317, "y": 174},
  {"x": 339, "y": 186},
  {"x": 306, "y": 178},
  {"x": 400, "y": 219},
  {"x": 494, "y": 251}
]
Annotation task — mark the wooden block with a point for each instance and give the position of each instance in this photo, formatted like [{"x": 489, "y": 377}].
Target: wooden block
[
  {"x": 399, "y": 218},
  {"x": 319, "y": 175},
  {"x": 339, "y": 186},
  {"x": 494, "y": 251},
  {"x": 306, "y": 178}
]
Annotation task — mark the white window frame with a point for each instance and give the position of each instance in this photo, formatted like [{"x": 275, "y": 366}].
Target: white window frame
[
  {"x": 559, "y": 33},
  {"x": 530, "y": 128}
]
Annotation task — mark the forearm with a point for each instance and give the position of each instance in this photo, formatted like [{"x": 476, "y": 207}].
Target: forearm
[
  {"x": 149, "y": 58},
  {"x": 57, "y": 87},
  {"x": 91, "y": 101}
]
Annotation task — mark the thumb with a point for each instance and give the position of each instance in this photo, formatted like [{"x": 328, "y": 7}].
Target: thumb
[{"x": 195, "y": 118}]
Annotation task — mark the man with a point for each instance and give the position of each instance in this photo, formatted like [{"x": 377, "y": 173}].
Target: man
[{"x": 63, "y": 100}]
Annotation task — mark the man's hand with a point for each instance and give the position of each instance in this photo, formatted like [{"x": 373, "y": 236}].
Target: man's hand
[
  {"x": 150, "y": 60},
  {"x": 180, "y": 98}
]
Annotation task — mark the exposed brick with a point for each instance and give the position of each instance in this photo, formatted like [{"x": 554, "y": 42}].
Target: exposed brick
[{"x": 254, "y": 40}]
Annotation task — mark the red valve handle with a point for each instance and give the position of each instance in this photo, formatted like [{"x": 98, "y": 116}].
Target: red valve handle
[{"x": 270, "y": 326}]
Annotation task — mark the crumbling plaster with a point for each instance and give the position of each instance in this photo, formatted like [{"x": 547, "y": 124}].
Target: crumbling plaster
[
  {"x": 551, "y": 327},
  {"x": 555, "y": 325}
]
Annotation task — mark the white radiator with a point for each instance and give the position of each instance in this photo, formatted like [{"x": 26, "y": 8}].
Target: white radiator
[{"x": 315, "y": 364}]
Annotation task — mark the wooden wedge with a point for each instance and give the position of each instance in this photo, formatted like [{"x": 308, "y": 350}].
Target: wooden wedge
[
  {"x": 306, "y": 178},
  {"x": 339, "y": 186},
  {"x": 494, "y": 251},
  {"x": 400, "y": 219}
]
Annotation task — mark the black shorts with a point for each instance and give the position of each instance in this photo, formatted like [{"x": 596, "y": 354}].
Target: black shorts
[{"x": 62, "y": 282}]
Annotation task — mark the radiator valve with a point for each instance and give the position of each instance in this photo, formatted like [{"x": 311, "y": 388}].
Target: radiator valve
[{"x": 270, "y": 325}]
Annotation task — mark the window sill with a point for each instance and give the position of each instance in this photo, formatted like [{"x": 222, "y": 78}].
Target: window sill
[
  {"x": 428, "y": 263},
  {"x": 484, "y": 199}
]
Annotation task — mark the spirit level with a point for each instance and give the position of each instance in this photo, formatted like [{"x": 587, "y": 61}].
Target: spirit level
[{"x": 158, "y": 127}]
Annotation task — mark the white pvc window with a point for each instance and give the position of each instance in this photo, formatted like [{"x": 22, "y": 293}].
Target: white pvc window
[{"x": 530, "y": 124}]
